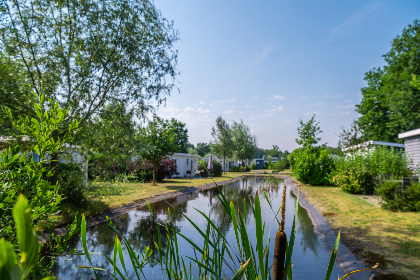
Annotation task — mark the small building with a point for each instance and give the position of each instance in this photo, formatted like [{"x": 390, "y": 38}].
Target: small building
[
  {"x": 412, "y": 144},
  {"x": 259, "y": 162},
  {"x": 186, "y": 165},
  {"x": 370, "y": 146}
]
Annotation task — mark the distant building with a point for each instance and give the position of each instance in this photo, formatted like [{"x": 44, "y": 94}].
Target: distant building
[
  {"x": 370, "y": 146},
  {"x": 412, "y": 145},
  {"x": 186, "y": 165}
]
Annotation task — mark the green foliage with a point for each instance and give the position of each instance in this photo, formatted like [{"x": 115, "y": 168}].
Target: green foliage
[
  {"x": 112, "y": 131},
  {"x": 396, "y": 197},
  {"x": 280, "y": 165},
  {"x": 202, "y": 149},
  {"x": 71, "y": 183},
  {"x": 353, "y": 180},
  {"x": 253, "y": 166},
  {"x": 215, "y": 172},
  {"x": 244, "y": 143},
  {"x": 182, "y": 135},
  {"x": 356, "y": 173},
  {"x": 312, "y": 165},
  {"x": 160, "y": 140},
  {"x": 222, "y": 145},
  {"x": 21, "y": 174},
  {"x": 391, "y": 99},
  {"x": 308, "y": 132},
  {"x": 85, "y": 55}
]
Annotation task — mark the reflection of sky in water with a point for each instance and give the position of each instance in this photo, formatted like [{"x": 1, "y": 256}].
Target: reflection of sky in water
[{"x": 140, "y": 228}]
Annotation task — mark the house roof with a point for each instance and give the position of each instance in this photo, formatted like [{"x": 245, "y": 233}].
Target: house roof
[
  {"x": 371, "y": 143},
  {"x": 410, "y": 133},
  {"x": 184, "y": 155}
]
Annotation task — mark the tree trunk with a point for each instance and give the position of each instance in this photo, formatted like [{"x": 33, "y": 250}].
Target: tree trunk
[{"x": 154, "y": 176}]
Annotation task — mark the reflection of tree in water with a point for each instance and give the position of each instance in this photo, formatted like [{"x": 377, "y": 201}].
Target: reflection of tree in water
[
  {"x": 239, "y": 195},
  {"x": 309, "y": 239},
  {"x": 145, "y": 233}
]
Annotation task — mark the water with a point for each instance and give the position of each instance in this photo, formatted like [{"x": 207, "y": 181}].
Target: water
[{"x": 309, "y": 256}]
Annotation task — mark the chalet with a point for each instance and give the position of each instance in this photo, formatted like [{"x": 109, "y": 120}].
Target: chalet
[{"x": 412, "y": 145}]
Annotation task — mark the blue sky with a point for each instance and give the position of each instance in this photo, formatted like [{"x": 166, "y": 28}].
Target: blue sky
[{"x": 273, "y": 62}]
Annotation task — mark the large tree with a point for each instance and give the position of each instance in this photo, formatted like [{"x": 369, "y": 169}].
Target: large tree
[
  {"x": 391, "y": 102},
  {"x": 85, "y": 53},
  {"x": 222, "y": 145},
  {"x": 245, "y": 143},
  {"x": 182, "y": 135},
  {"x": 158, "y": 140}
]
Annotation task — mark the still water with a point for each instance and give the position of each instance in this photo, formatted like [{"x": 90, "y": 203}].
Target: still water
[{"x": 310, "y": 258}]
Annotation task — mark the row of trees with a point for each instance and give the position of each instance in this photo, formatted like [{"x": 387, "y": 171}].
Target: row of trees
[{"x": 234, "y": 140}]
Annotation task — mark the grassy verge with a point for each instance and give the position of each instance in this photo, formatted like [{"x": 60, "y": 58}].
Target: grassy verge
[
  {"x": 373, "y": 234},
  {"x": 102, "y": 196}
]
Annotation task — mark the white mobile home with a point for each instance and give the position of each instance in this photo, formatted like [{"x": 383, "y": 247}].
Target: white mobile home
[
  {"x": 186, "y": 165},
  {"x": 370, "y": 146},
  {"x": 412, "y": 144}
]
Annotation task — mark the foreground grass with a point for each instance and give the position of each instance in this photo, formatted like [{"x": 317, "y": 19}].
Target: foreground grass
[
  {"x": 372, "y": 233},
  {"x": 103, "y": 196}
]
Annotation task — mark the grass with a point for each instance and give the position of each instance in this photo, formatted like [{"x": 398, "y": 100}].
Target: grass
[
  {"x": 372, "y": 233},
  {"x": 102, "y": 196}
]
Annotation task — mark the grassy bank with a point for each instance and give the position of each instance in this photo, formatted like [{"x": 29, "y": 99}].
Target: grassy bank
[
  {"x": 373, "y": 234},
  {"x": 102, "y": 196}
]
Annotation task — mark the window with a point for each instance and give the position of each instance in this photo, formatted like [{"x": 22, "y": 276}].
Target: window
[{"x": 188, "y": 161}]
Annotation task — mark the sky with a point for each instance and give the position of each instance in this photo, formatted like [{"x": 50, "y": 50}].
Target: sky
[{"x": 272, "y": 63}]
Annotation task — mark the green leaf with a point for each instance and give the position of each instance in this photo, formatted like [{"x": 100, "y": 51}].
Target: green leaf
[
  {"x": 332, "y": 258},
  {"x": 83, "y": 235},
  {"x": 27, "y": 239}
]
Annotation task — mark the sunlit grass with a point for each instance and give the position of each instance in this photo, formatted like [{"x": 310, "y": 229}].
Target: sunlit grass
[{"x": 374, "y": 234}]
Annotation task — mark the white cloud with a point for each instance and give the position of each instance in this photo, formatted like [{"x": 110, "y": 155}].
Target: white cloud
[
  {"x": 354, "y": 21},
  {"x": 278, "y": 97},
  {"x": 346, "y": 113},
  {"x": 319, "y": 103},
  {"x": 227, "y": 112},
  {"x": 348, "y": 101},
  {"x": 303, "y": 97},
  {"x": 248, "y": 106},
  {"x": 201, "y": 102},
  {"x": 345, "y": 106}
]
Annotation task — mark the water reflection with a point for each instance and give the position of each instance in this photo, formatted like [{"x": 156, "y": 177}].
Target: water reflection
[{"x": 140, "y": 228}]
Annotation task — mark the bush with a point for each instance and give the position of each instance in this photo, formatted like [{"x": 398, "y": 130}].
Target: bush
[
  {"x": 72, "y": 183},
  {"x": 253, "y": 166},
  {"x": 396, "y": 197},
  {"x": 312, "y": 165},
  {"x": 356, "y": 173},
  {"x": 280, "y": 165},
  {"x": 355, "y": 181},
  {"x": 248, "y": 168},
  {"x": 235, "y": 169},
  {"x": 217, "y": 168}
]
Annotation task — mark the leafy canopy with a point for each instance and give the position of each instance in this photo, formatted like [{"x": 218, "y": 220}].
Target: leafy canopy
[
  {"x": 391, "y": 100},
  {"x": 308, "y": 133}
]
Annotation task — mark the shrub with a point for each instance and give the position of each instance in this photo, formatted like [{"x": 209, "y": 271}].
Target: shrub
[
  {"x": 400, "y": 198},
  {"x": 253, "y": 166},
  {"x": 248, "y": 168},
  {"x": 72, "y": 183},
  {"x": 355, "y": 181},
  {"x": 356, "y": 173},
  {"x": 217, "y": 168},
  {"x": 280, "y": 165},
  {"x": 235, "y": 169},
  {"x": 312, "y": 165}
]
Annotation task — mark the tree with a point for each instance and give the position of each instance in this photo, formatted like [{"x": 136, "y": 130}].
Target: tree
[
  {"x": 349, "y": 137},
  {"x": 202, "y": 149},
  {"x": 182, "y": 138},
  {"x": 112, "y": 131},
  {"x": 222, "y": 144},
  {"x": 85, "y": 53},
  {"x": 14, "y": 94},
  {"x": 391, "y": 100},
  {"x": 244, "y": 143},
  {"x": 159, "y": 140},
  {"x": 308, "y": 132}
]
